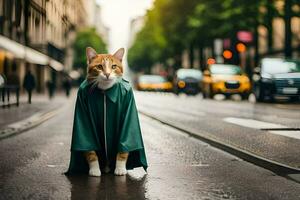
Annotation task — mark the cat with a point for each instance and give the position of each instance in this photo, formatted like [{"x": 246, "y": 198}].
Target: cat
[{"x": 103, "y": 71}]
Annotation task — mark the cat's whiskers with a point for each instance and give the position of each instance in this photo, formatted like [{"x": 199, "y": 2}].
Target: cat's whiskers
[{"x": 94, "y": 81}]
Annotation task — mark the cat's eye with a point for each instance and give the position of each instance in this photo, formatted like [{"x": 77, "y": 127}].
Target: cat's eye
[
  {"x": 114, "y": 66},
  {"x": 100, "y": 66}
]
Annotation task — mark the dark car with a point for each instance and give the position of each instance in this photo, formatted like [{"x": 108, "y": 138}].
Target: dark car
[
  {"x": 187, "y": 81},
  {"x": 277, "y": 77}
]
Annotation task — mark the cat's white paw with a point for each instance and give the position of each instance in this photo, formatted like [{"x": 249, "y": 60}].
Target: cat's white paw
[
  {"x": 94, "y": 169},
  {"x": 95, "y": 172},
  {"x": 120, "y": 169}
]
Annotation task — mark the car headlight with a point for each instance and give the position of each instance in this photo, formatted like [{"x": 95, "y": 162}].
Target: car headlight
[
  {"x": 255, "y": 77},
  {"x": 181, "y": 84}
]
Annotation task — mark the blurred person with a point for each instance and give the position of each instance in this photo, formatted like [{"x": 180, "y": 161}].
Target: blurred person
[
  {"x": 67, "y": 86},
  {"x": 51, "y": 88},
  {"x": 13, "y": 81},
  {"x": 2, "y": 83},
  {"x": 13, "y": 78},
  {"x": 29, "y": 84}
]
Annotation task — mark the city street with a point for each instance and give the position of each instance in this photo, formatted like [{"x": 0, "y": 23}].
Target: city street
[
  {"x": 180, "y": 167},
  {"x": 204, "y": 95}
]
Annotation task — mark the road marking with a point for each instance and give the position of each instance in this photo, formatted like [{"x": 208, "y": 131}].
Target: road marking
[
  {"x": 292, "y": 134},
  {"x": 251, "y": 123},
  {"x": 255, "y": 124},
  {"x": 200, "y": 165}
]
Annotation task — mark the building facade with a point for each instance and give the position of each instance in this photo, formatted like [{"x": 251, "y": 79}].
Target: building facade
[{"x": 37, "y": 35}]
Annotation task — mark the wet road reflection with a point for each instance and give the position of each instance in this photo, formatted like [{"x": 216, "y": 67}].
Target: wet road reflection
[{"x": 107, "y": 186}]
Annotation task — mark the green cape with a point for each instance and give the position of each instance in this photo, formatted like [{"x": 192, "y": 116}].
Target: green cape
[{"x": 123, "y": 133}]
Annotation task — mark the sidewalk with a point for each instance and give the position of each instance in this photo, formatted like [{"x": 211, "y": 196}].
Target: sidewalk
[{"x": 18, "y": 119}]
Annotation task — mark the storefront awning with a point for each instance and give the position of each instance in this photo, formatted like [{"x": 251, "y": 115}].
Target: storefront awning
[
  {"x": 35, "y": 57},
  {"x": 56, "y": 65},
  {"x": 30, "y": 55},
  {"x": 17, "y": 49}
]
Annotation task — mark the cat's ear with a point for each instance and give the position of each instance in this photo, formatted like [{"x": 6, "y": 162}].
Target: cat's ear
[
  {"x": 119, "y": 54},
  {"x": 90, "y": 54}
]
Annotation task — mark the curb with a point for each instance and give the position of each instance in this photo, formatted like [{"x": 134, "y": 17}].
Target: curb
[
  {"x": 26, "y": 124},
  {"x": 276, "y": 167}
]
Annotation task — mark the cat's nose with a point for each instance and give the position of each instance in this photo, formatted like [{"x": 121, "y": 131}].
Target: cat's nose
[{"x": 107, "y": 75}]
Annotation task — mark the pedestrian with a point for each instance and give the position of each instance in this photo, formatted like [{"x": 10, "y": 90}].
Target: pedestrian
[
  {"x": 13, "y": 78},
  {"x": 29, "y": 84},
  {"x": 51, "y": 88},
  {"x": 67, "y": 86},
  {"x": 13, "y": 81}
]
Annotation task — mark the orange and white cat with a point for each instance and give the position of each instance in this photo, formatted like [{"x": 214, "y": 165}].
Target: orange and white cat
[{"x": 103, "y": 71}]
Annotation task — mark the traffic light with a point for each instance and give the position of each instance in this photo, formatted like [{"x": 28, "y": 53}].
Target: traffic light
[
  {"x": 240, "y": 47},
  {"x": 211, "y": 61},
  {"x": 227, "y": 54}
]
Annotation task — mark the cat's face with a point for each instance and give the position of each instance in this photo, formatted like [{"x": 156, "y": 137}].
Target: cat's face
[{"x": 104, "y": 69}]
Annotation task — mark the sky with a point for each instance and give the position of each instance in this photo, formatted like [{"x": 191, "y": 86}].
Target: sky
[{"x": 117, "y": 14}]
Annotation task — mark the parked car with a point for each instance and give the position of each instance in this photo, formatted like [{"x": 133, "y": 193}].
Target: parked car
[
  {"x": 225, "y": 79},
  {"x": 187, "y": 81},
  {"x": 153, "y": 83},
  {"x": 277, "y": 77}
]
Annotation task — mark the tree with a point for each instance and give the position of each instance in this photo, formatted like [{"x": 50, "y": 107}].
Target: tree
[
  {"x": 150, "y": 44},
  {"x": 222, "y": 19},
  {"x": 163, "y": 36},
  {"x": 86, "y": 38},
  {"x": 173, "y": 26}
]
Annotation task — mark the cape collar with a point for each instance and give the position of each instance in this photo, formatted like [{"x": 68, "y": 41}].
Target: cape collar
[{"x": 111, "y": 93}]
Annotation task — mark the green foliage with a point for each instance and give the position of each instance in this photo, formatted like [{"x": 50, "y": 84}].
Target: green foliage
[
  {"x": 165, "y": 34},
  {"x": 86, "y": 38},
  {"x": 221, "y": 19},
  {"x": 173, "y": 25},
  {"x": 150, "y": 43}
]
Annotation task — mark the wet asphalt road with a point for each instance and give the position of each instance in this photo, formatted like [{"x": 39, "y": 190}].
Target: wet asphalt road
[
  {"x": 208, "y": 118},
  {"x": 180, "y": 167}
]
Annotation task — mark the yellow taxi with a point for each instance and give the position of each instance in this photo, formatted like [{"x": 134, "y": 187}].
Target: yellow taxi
[
  {"x": 154, "y": 83},
  {"x": 225, "y": 79}
]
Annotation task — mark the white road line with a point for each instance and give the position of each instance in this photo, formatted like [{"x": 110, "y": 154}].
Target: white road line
[
  {"x": 251, "y": 123},
  {"x": 255, "y": 124},
  {"x": 292, "y": 134}
]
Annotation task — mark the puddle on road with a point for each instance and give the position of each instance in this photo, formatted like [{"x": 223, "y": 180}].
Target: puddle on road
[{"x": 107, "y": 186}]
